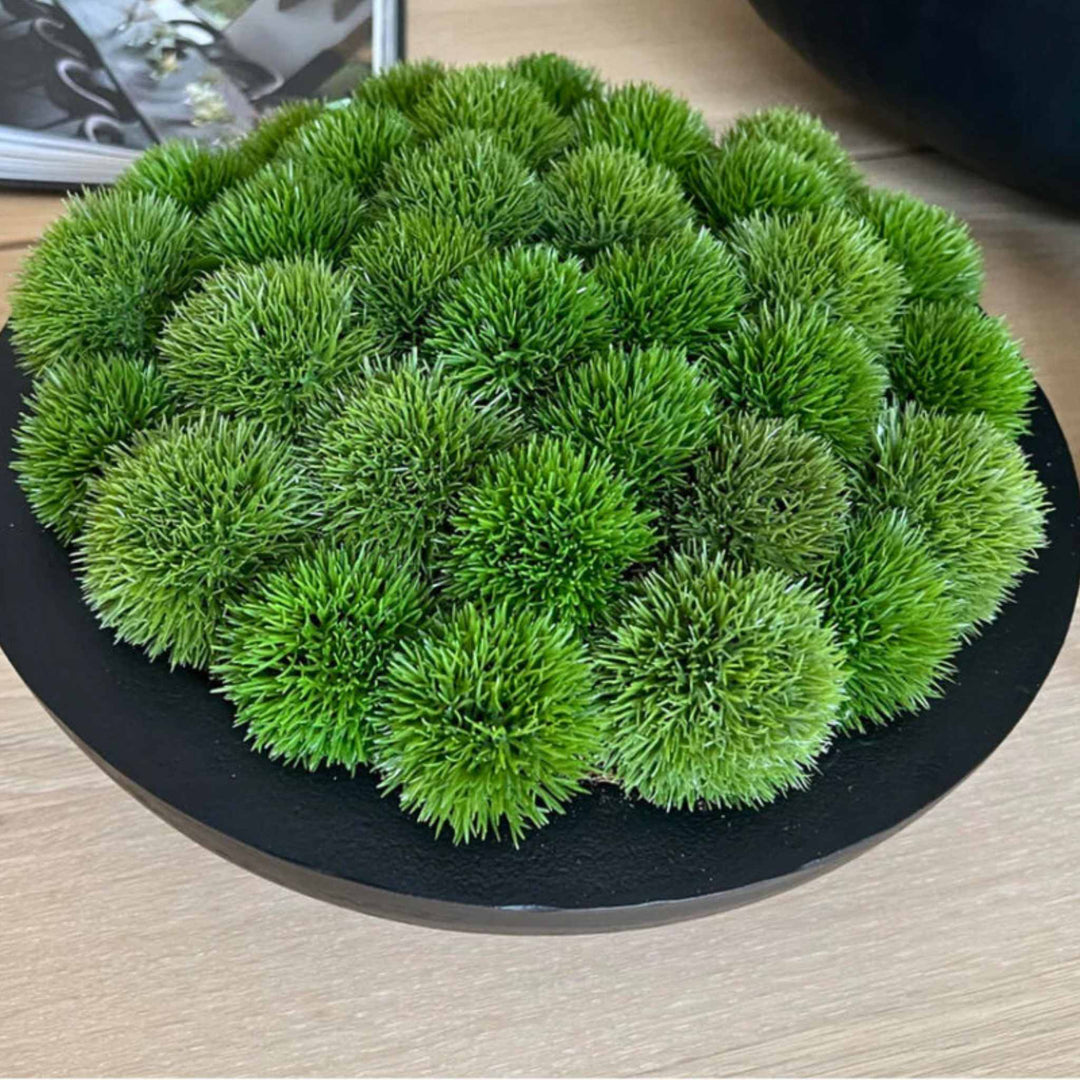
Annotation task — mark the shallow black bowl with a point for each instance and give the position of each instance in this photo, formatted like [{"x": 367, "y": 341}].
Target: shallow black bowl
[{"x": 609, "y": 863}]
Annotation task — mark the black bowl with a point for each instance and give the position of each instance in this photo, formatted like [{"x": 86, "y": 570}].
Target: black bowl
[{"x": 609, "y": 863}]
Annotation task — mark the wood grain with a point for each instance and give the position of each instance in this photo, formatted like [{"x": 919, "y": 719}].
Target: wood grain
[{"x": 951, "y": 949}]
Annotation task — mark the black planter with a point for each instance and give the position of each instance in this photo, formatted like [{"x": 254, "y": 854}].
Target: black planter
[
  {"x": 995, "y": 83},
  {"x": 609, "y": 863}
]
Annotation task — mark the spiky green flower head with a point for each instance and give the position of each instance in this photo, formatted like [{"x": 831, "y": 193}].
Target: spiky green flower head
[
  {"x": 767, "y": 493},
  {"x": 657, "y": 124},
  {"x": 304, "y": 653},
  {"x": 516, "y": 319},
  {"x": 267, "y": 342},
  {"x": 648, "y": 410},
  {"x": 404, "y": 264},
  {"x": 603, "y": 195},
  {"x": 744, "y": 175},
  {"x": 940, "y": 257},
  {"x": 79, "y": 412},
  {"x": 824, "y": 257},
  {"x": 471, "y": 176},
  {"x": 350, "y": 145},
  {"x": 954, "y": 358},
  {"x": 720, "y": 685},
  {"x": 970, "y": 489},
  {"x": 680, "y": 290},
  {"x": 497, "y": 100},
  {"x": 565, "y": 84},
  {"x": 277, "y": 127},
  {"x": 793, "y": 360},
  {"x": 183, "y": 170},
  {"x": 281, "y": 211},
  {"x": 889, "y": 601},
  {"x": 402, "y": 86},
  {"x": 102, "y": 278},
  {"x": 180, "y": 523},
  {"x": 548, "y": 525},
  {"x": 490, "y": 722},
  {"x": 805, "y": 135},
  {"x": 401, "y": 448}
]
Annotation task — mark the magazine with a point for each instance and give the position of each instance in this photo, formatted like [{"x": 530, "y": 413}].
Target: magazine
[{"x": 85, "y": 85}]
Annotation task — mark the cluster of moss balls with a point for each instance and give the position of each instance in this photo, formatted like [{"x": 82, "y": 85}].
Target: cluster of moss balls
[{"x": 498, "y": 430}]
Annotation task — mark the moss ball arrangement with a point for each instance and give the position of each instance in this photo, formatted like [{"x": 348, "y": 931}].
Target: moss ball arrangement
[{"x": 504, "y": 433}]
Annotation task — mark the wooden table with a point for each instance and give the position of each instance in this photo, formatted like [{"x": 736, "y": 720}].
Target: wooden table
[{"x": 952, "y": 948}]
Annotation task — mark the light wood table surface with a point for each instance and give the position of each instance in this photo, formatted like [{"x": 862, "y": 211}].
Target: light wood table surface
[{"x": 953, "y": 948}]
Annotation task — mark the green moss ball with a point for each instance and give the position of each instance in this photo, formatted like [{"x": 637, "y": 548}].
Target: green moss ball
[
  {"x": 490, "y": 722},
  {"x": 790, "y": 360},
  {"x": 304, "y": 654},
  {"x": 767, "y": 493},
  {"x": 681, "y": 290},
  {"x": 79, "y": 412},
  {"x": 277, "y": 127},
  {"x": 972, "y": 492},
  {"x": 549, "y": 525},
  {"x": 941, "y": 259},
  {"x": 471, "y": 176},
  {"x": 394, "y": 459},
  {"x": 350, "y": 145},
  {"x": 825, "y": 257},
  {"x": 281, "y": 211},
  {"x": 102, "y": 278},
  {"x": 889, "y": 601},
  {"x": 267, "y": 342},
  {"x": 180, "y": 523},
  {"x": 192, "y": 175},
  {"x": 496, "y": 100},
  {"x": 720, "y": 686},
  {"x": 516, "y": 319},
  {"x": 657, "y": 124},
  {"x": 746, "y": 175},
  {"x": 564, "y": 83},
  {"x": 402, "y": 86},
  {"x": 602, "y": 195},
  {"x": 648, "y": 410},
  {"x": 954, "y": 358}
]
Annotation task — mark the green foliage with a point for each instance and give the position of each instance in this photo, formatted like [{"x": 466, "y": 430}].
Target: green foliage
[
  {"x": 279, "y": 212},
  {"x": 889, "y": 601},
  {"x": 719, "y": 685},
  {"x": 490, "y": 722},
  {"x": 102, "y": 278},
  {"x": 792, "y": 360},
  {"x": 78, "y": 413},
  {"x": 954, "y": 358},
  {"x": 192, "y": 175},
  {"x": 767, "y": 493},
  {"x": 681, "y": 290},
  {"x": 602, "y": 195},
  {"x": 276, "y": 127},
  {"x": 971, "y": 491},
  {"x": 941, "y": 259},
  {"x": 402, "y": 86},
  {"x": 304, "y": 654},
  {"x": 349, "y": 145},
  {"x": 564, "y": 83},
  {"x": 657, "y": 124},
  {"x": 498, "y": 101},
  {"x": 826, "y": 257},
  {"x": 747, "y": 175},
  {"x": 649, "y": 411},
  {"x": 404, "y": 265},
  {"x": 180, "y": 523},
  {"x": 266, "y": 341},
  {"x": 396, "y": 453},
  {"x": 471, "y": 176},
  {"x": 515, "y": 320},
  {"x": 550, "y": 526}
]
